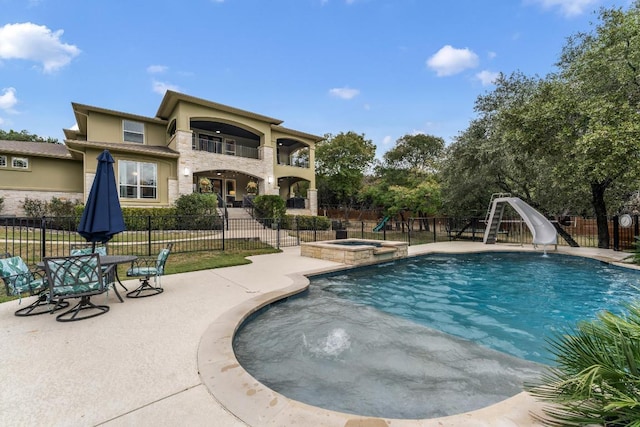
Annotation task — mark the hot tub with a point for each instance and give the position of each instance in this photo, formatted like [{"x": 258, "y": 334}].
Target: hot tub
[{"x": 355, "y": 251}]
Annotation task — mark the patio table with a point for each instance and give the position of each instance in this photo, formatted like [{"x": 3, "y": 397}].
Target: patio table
[{"x": 107, "y": 260}]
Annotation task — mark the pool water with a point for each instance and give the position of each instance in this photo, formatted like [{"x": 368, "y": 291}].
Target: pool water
[{"x": 429, "y": 336}]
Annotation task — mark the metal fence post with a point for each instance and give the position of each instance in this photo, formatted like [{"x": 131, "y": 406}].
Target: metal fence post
[
  {"x": 43, "y": 237},
  {"x": 295, "y": 218},
  {"x": 616, "y": 234},
  {"x": 409, "y": 228},
  {"x": 277, "y": 220},
  {"x": 149, "y": 234},
  {"x": 434, "y": 230},
  {"x": 362, "y": 229},
  {"x": 315, "y": 229}
]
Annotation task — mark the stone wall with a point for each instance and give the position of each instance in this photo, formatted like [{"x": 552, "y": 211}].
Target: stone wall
[{"x": 13, "y": 199}]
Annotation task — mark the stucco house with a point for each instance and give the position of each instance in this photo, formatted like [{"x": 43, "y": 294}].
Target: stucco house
[{"x": 190, "y": 145}]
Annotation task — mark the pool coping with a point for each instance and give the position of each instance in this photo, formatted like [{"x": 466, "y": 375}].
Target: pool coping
[{"x": 256, "y": 404}]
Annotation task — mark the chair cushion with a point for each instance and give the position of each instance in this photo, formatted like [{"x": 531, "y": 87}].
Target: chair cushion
[
  {"x": 17, "y": 276},
  {"x": 100, "y": 250},
  {"x": 76, "y": 289},
  {"x": 75, "y": 275},
  {"x": 142, "y": 271}
]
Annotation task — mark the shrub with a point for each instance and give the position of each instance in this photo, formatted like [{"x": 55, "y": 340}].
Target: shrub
[
  {"x": 59, "y": 207},
  {"x": 269, "y": 208},
  {"x": 197, "y": 204},
  {"x": 34, "y": 208},
  {"x": 306, "y": 222},
  {"x": 597, "y": 377}
]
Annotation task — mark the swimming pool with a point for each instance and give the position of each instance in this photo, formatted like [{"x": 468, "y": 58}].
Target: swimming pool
[{"x": 428, "y": 336}]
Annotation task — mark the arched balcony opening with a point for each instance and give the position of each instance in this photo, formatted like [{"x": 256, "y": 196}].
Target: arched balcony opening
[
  {"x": 224, "y": 138},
  {"x": 232, "y": 187},
  {"x": 293, "y": 153},
  {"x": 294, "y": 191}
]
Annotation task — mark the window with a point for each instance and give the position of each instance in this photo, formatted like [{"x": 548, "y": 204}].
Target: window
[
  {"x": 138, "y": 180},
  {"x": 20, "y": 162},
  {"x": 133, "y": 131},
  {"x": 3, "y": 161}
]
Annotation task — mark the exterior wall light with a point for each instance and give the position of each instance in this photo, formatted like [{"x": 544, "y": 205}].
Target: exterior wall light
[
  {"x": 186, "y": 171},
  {"x": 270, "y": 179}
]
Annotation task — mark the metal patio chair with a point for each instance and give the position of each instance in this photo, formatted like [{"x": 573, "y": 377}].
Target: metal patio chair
[
  {"x": 86, "y": 248},
  {"x": 19, "y": 280},
  {"x": 146, "y": 267},
  {"x": 78, "y": 276}
]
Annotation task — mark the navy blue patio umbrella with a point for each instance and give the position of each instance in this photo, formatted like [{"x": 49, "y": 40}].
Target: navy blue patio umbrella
[{"x": 102, "y": 217}]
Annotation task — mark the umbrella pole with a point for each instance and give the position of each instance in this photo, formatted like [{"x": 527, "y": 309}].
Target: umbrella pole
[{"x": 93, "y": 247}]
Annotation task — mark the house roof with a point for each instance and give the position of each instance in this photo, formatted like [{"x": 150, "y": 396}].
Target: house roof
[
  {"x": 172, "y": 98},
  {"x": 153, "y": 150},
  {"x": 81, "y": 112},
  {"x": 39, "y": 149},
  {"x": 294, "y": 132}
]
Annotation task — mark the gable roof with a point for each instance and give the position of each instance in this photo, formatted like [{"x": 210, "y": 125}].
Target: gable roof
[
  {"x": 39, "y": 149},
  {"x": 81, "y": 111},
  {"x": 172, "y": 98}
]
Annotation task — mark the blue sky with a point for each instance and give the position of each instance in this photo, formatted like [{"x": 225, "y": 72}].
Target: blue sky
[{"x": 383, "y": 68}]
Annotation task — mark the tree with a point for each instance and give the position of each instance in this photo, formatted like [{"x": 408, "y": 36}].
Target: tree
[
  {"x": 341, "y": 162},
  {"x": 572, "y": 137},
  {"x": 584, "y": 119},
  {"x": 490, "y": 156},
  {"x": 405, "y": 180},
  {"x": 25, "y": 136}
]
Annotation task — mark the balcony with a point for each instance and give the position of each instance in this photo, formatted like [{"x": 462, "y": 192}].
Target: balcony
[
  {"x": 294, "y": 162},
  {"x": 227, "y": 147}
]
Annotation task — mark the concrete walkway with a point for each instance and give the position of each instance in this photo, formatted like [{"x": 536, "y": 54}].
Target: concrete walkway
[{"x": 138, "y": 364}]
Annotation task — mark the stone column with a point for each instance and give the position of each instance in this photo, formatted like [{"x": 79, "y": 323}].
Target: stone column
[
  {"x": 186, "y": 160},
  {"x": 312, "y": 195}
]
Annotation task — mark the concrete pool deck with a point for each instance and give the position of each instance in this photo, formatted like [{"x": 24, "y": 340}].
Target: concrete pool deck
[{"x": 165, "y": 360}]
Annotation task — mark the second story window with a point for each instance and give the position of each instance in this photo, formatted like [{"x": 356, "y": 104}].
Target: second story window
[{"x": 133, "y": 131}]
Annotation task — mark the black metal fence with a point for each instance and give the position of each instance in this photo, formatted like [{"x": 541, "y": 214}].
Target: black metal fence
[{"x": 34, "y": 238}]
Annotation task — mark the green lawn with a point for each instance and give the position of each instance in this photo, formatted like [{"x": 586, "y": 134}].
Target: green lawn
[{"x": 191, "y": 261}]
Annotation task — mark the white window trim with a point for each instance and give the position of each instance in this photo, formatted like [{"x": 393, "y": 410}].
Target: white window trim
[
  {"x": 125, "y": 132},
  {"x": 3, "y": 164},
  {"x": 23, "y": 159},
  {"x": 138, "y": 186}
]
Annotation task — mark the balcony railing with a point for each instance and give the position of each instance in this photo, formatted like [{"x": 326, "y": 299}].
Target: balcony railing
[
  {"x": 296, "y": 163},
  {"x": 229, "y": 149}
]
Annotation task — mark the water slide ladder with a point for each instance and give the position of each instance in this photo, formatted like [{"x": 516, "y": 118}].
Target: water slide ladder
[{"x": 493, "y": 218}]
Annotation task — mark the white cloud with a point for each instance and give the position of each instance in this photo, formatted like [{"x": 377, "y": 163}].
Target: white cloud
[
  {"x": 487, "y": 77},
  {"x": 155, "y": 69},
  {"x": 162, "y": 87},
  {"x": 1, "y": 121},
  {"x": 567, "y": 7},
  {"x": 387, "y": 140},
  {"x": 8, "y": 99},
  {"x": 344, "y": 92},
  {"x": 449, "y": 61},
  {"x": 36, "y": 43}
]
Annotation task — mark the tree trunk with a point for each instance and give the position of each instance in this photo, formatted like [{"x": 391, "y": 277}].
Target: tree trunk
[{"x": 597, "y": 199}]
